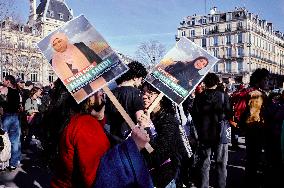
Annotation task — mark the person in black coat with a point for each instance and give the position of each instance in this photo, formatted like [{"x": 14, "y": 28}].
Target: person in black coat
[
  {"x": 130, "y": 97},
  {"x": 208, "y": 110},
  {"x": 166, "y": 140}
]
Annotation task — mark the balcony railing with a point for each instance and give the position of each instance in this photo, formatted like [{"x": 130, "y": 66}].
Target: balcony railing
[
  {"x": 214, "y": 31},
  {"x": 10, "y": 46},
  {"x": 263, "y": 59}
]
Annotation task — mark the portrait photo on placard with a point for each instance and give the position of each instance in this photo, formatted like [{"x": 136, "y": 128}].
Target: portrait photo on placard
[
  {"x": 81, "y": 58},
  {"x": 181, "y": 69}
]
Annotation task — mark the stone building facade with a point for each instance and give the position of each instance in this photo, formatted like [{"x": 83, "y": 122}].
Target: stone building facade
[
  {"x": 20, "y": 55},
  {"x": 240, "y": 39}
]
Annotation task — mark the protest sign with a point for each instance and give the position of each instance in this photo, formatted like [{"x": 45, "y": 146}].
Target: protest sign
[
  {"x": 84, "y": 61},
  {"x": 81, "y": 58},
  {"x": 181, "y": 70}
]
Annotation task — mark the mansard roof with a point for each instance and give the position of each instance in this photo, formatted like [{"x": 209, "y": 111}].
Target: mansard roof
[
  {"x": 41, "y": 7},
  {"x": 54, "y": 9}
]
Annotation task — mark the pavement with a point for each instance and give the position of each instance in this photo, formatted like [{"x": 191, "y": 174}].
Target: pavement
[
  {"x": 31, "y": 174},
  {"x": 236, "y": 166}
]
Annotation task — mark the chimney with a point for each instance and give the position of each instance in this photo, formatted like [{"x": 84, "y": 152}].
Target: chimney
[
  {"x": 32, "y": 16},
  {"x": 213, "y": 10}
]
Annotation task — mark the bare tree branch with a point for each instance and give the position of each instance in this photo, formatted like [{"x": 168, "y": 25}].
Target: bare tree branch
[
  {"x": 150, "y": 53},
  {"x": 18, "y": 57}
]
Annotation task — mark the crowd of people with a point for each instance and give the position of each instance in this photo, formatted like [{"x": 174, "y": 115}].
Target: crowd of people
[{"x": 90, "y": 144}]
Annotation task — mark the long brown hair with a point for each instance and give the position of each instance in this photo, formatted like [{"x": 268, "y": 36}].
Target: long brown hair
[{"x": 34, "y": 90}]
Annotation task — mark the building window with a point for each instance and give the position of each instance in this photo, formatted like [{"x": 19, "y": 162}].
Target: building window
[
  {"x": 215, "y": 68},
  {"x": 34, "y": 62},
  {"x": 21, "y": 75},
  {"x": 228, "y": 39},
  {"x": 51, "y": 13},
  {"x": 50, "y": 78},
  {"x": 240, "y": 38},
  {"x": 183, "y": 33},
  {"x": 193, "y": 21},
  {"x": 33, "y": 31},
  {"x": 3, "y": 24},
  {"x": 34, "y": 77},
  {"x": 215, "y": 18},
  {"x": 215, "y": 40},
  {"x": 228, "y": 66},
  {"x": 192, "y": 33},
  {"x": 240, "y": 66},
  {"x": 229, "y": 52},
  {"x": 21, "y": 44},
  {"x": 215, "y": 28},
  {"x": 240, "y": 51},
  {"x": 240, "y": 26},
  {"x": 34, "y": 44},
  {"x": 216, "y": 52},
  {"x": 8, "y": 58},
  {"x": 228, "y": 16},
  {"x": 203, "y": 21},
  {"x": 22, "y": 29},
  {"x": 4, "y": 74},
  {"x": 229, "y": 26},
  {"x": 203, "y": 42},
  {"x": 204, "y": 31},
  {"x": 7, "y": 40},
  {"x": 23, "y": 59},
  {"x": 61, "y": 16}
]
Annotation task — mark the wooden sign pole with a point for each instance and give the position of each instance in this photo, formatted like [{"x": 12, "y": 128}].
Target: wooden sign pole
[
  {"x": 154, "y": 104},
  {"x": 123, "y": 113}
]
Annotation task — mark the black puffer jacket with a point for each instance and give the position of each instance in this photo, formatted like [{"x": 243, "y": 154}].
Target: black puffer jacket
[
  {"x": 167, "y": 144},
  {"x": 208, "y": 110}
]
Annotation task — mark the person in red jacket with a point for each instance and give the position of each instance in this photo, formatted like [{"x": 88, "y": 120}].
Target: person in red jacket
[{"x": 82, "y": 142}]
